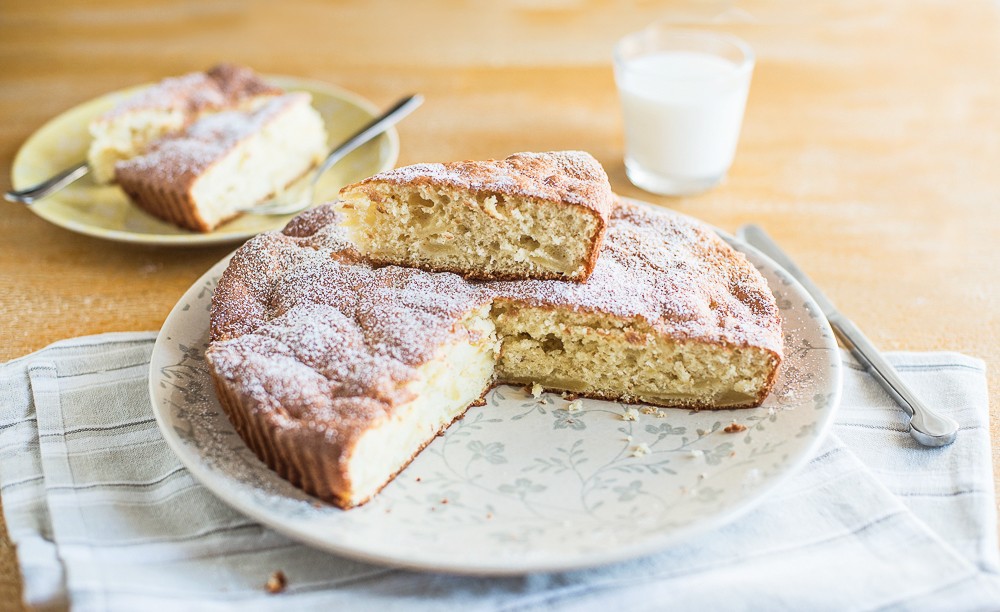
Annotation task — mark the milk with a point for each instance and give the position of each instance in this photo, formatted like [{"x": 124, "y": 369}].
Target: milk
[{"x": 682, "y": 113}]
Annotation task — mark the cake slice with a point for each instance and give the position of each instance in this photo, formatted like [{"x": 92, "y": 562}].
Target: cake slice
[
  {"x": 132, "y": 125},
  {"x": 363, "y": 368},
  {"x": 671, "y": 316},
  {"x": 225, "y": 161},
  {"x": 378, "y": 430},
  {"x": 531, "y": 215}
]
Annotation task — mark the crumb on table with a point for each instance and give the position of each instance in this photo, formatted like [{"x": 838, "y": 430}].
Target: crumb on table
[
  {"x": 735, "y": 427},
  {"x": 277, "y": 582}
]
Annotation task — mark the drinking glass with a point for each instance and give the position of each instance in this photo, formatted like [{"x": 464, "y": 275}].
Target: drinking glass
[{"x": 683, "y": 93}]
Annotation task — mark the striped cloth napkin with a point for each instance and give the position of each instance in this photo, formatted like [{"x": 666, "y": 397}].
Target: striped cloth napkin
[{"x": 105, "y": 518}]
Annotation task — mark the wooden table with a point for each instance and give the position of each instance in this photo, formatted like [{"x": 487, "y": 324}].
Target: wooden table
[{"x": 870, "y": 146}]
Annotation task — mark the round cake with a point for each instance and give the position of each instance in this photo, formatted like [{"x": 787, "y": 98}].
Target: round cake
[{"x": 337, "y": 372}]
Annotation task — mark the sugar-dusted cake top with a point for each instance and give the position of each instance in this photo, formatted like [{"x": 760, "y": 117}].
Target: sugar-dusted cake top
[
  {"x": 573, "y": 177},
  {"x": 223, "y": 86},
  {"x": 301, "y": 323},
  {"x": 675, "y": 273}
]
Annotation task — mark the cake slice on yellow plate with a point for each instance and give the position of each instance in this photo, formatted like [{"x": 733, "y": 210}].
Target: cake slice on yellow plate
[
  {"x": 226, "y": 161},
  {"x": 133, "y": 124}
]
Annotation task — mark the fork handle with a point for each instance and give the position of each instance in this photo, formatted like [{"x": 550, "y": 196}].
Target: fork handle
[
  {"x": 378, "y": 125},
  {"x": 927, "y": 426},
  {"x": 57, "y": 182}
]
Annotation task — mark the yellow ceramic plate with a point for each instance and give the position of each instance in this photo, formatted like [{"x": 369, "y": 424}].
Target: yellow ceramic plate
[{"x": 105, "y": 211}]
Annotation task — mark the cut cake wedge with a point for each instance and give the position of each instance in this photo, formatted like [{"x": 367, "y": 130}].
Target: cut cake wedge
[
  {"x": 167, "y": 107},
  {"x": 224, "y": 162},
  {"x": 531, "y": 215}
]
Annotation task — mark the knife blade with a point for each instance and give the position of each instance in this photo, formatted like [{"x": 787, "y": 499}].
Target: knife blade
[{"x": 927, "y": 426}]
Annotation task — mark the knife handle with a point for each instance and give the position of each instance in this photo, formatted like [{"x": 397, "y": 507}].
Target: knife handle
[{"x": 927, "y": 426}]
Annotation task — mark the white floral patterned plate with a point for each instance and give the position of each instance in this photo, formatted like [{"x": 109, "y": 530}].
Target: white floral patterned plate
[
  {"x": 523, "y": 485},
  {"x": 104, "y": 211}
]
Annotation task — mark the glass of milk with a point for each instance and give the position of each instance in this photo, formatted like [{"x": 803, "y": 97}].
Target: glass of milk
[{"x": 682, "y": 93}]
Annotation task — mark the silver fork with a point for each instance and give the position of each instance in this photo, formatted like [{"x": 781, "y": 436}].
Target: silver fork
[
  {"x": 299, "y": 195},
  {"x": 51, "y": 185}
]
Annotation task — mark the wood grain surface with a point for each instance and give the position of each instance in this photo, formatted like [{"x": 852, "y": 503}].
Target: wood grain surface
[{"x": 870, "y": 145}]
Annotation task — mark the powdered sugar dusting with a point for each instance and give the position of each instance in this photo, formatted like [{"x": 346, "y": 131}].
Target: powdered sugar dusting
[
  {"x": 181, "y": 157},
  {"x": 225, "y": 85},
  {"x": 672, "y": 272},
  {"x": 573, "y": 177},
  {"x": 183, "y": 93},
  {"x": 300, "y": 323}
]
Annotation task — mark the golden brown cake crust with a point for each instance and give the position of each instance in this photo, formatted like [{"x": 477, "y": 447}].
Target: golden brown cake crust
[
  {"x": 237, "y": 83},
  {"x": 312, "y": 345},
  {"x": 571, "y": 178}
]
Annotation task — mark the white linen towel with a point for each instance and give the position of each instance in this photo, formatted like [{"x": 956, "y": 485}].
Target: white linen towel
[{"x": 105, "y": 518}]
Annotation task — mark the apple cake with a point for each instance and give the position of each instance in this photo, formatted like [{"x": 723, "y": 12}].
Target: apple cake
[
  {"x": 531, "y": 215},
  {"x": 337, "y": 371},
  {"x": 133, "y": 124},
  {"x": 224, "y": 162}
]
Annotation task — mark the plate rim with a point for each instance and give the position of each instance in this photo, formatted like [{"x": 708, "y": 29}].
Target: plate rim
[
  {"x": 217, "y": 484},
  {"x": 192, "y": 239}
]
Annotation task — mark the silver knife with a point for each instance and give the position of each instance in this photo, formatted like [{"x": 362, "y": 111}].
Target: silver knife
[{"x": 926, "y": 426}]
